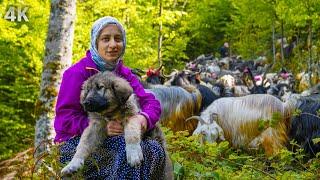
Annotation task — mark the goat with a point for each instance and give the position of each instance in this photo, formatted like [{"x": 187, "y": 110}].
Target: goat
[
  {"x": 240, "y": 118},
  {"x": 187, "y": 79},
  {"x": 177, "y": 104},
  {"x": 241, "y": 90},
  {"x": 305, "y": 126}
]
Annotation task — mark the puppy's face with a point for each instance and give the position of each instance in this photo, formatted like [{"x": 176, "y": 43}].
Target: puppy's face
[{"x": 104, "y": 93}]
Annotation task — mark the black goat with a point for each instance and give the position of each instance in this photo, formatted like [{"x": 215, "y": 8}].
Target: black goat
[{"x": 306, "y": 125}]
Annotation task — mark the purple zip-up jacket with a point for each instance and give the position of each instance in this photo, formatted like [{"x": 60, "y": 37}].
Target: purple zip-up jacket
[{"x": 71, "y": 119}]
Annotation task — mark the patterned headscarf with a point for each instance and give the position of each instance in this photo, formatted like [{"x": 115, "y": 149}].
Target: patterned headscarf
[{"x": 98, "y": 25}]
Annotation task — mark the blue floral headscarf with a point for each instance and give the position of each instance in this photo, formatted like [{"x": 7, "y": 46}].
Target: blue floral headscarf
[{"x": 98, "y": 25}]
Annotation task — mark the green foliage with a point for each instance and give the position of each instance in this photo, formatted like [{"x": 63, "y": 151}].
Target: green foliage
[
  {"x": 251, "y": 28},
  {"x": 316, "y": 140},
  {"x": 207, "y": 22},
  {"x": 21, "y": 52},
  {"x": 297, "y": 112},
  {"x": 265, "y": 123},
  {"x": 14, "y": 136},
  {"x": 193, "y": 160}
]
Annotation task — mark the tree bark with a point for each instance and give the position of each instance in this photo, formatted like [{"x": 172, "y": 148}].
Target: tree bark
[
  {"x": 281, "y": 46},
  {"x": 58, "y": 56},
  {"x": 273, "y": 42},
  {"x": 127, "y": 21},
  {"x": 160, "y": 34},
  {"x": 184, "y": 4},
  {"x": 309, "y": 44}
]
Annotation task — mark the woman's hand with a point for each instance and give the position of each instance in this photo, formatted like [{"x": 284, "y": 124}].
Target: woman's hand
[
  {"x": 139, "y": 119},
  {"x": 114, "y": 128}
]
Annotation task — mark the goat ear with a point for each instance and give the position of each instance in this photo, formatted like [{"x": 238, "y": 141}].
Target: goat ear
[
  {"x": 213, "y": 117},
  {"x": 122, "y": 90}
]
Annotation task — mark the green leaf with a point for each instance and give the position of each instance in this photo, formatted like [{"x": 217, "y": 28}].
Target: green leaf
[
  {"x": 178, "y": 169},
  {"x": 316, "y": 140}
]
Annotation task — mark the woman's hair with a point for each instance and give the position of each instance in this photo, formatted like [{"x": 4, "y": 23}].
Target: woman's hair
[{"x": 97, "y": 26}]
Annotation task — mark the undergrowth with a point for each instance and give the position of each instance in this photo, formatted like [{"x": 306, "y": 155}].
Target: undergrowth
[{"x": 194, "y": 160}]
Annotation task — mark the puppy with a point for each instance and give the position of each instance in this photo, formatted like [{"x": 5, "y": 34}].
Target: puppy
[{"x": 107, "y": 97}]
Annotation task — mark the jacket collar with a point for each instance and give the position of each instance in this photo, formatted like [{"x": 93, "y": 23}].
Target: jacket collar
[{"x": 92, "y": 65}]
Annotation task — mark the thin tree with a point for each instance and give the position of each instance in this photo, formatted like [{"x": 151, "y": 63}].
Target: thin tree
[
  {"x": 282, "y": 43},
  {"x": 274, "y": 18},
  {"x": 58, "y": 55},
  {"x": 309, "y": 41},
  {"x": 273, "y": 42},
  {"x": 160, "y": 33}
]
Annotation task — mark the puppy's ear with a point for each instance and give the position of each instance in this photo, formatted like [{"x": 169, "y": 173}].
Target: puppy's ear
[
  {"x": 122, "y": 90},
  {"x": 84, "y": 90}
]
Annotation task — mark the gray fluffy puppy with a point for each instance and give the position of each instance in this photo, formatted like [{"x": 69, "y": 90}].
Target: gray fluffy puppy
[{"x": 107, "y": 97}]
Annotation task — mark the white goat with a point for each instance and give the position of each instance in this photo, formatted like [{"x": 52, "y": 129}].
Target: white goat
[{"x": 240, "y": 119}]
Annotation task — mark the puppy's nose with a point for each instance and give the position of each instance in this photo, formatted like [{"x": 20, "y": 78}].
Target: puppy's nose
[{"x": 88, "y": 105}]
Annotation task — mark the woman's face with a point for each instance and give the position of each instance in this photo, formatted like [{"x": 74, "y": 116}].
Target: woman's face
[{"x": 110, "y": 43}]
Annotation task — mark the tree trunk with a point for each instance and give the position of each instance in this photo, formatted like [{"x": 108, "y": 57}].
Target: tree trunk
[
  {"x": 127, "y": 21},
  {"x": 310, "y": 51},
  {"x": 184, "y": 4},
  {"x": 160, "y": 34},
  {"x": 273, "y": 43},
  {"x": 281, "y": 46},
  {"x": 58, "y": 56}
]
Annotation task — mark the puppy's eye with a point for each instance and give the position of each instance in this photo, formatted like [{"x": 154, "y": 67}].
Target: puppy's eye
[{"x": 99, "y": 86}]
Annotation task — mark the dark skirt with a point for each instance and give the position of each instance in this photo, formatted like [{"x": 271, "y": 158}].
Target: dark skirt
[{"x": 109, "y": 160}]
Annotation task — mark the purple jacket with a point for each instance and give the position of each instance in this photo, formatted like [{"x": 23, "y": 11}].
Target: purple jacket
[{"x": 71, "y": 119}]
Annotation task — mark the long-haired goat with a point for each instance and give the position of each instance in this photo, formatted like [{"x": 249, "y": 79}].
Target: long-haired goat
[
  {"x": 241, "y": 117},
  {"x": 178, "y": 104},
  {"x": 187, "y": 79},
  {"x": 305, "y": 126}
]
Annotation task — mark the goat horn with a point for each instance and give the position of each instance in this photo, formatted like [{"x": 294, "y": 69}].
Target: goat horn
[
  {"x": 175, "y": 71},
  {"x": 159, "y": 68},
  {"x": 252, "y": 78},
  {"x": 166, "y": 76},
  {"x": 197, "y": 118}
]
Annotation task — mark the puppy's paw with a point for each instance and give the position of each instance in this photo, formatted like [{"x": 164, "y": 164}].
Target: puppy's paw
[
  {"x": 134, "y": 154},
  {"x": 72, "y": 167}
]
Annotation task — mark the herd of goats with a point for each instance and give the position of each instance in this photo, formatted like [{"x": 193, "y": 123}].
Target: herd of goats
[{"x": 238, "y": 101}]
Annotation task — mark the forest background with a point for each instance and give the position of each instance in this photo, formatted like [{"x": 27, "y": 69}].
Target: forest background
[{"x": 189, "y": 28}]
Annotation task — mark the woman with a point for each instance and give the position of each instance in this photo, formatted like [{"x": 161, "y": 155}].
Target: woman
[{"x": 108, "y": 42}]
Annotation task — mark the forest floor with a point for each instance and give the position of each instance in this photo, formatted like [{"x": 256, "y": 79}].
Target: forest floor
[
  {"x": 17, "y": 165},
  {"x": 191, "y": 160}
]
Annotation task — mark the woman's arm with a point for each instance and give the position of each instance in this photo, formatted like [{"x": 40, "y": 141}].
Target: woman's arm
[
  {"x": 70, "y": 119},
  {"x": 150, "y": 106}
]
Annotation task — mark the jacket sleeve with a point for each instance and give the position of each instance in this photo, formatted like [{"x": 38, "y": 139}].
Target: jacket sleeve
[
  {"x": 70, "y": 119},
  {"x": 149, "y": 105}
]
